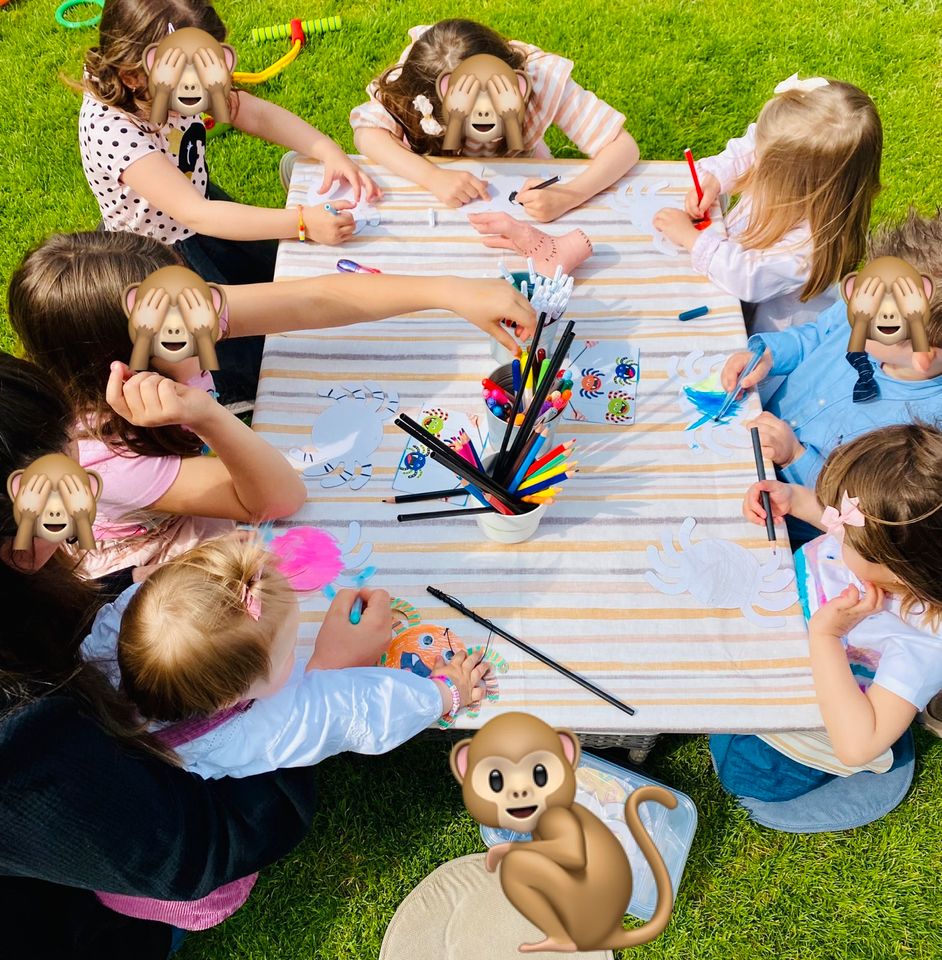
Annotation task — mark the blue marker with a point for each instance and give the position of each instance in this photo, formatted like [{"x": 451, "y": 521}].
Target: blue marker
[
  {"x": 693, "y": 314},
  {"x": 356, "y": 611},
  {"x": 515, "y": 372},
  {"x": 331, "y": 210},
  {"x": 757, "y": 355}
]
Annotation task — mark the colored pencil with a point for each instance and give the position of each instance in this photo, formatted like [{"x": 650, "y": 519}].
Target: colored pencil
[
  {"x": 544, "y": 658},
  {"x": 760, "y": 473},
  {"x": 543, "y": 484},
  {"x": 439, "y": 514},
  {"x": 529, "y": 457},
  {"x": 757, "y": 355},
  {"x": 555, "y": 452}
]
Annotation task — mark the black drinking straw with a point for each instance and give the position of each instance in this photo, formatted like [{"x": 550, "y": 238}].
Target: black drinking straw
[
  {"x": 438, "y": 514},
  {"x": 456, "y": 604}
]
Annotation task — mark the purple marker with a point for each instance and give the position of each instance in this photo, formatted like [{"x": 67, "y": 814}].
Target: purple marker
[{"x": 351, "y": 266}]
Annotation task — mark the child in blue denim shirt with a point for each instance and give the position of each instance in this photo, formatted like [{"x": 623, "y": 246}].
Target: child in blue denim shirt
[{"x": 812, "y": 411}]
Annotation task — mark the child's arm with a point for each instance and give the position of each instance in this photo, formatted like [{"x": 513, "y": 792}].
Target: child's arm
[
  {"x": 454, "y": 188},
  {"x": 861, "y": 725},
  {"x": 340, "y": 299},
  {"x": 156, "y": 179},
  {"x": 267, "y": 120},
  {"x": 611, "y": 163},
  {"x": 248, "y": 480}
]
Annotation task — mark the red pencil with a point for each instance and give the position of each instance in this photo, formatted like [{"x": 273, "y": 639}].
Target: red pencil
[
  {"x": 552, "y": 455},
  {"x": 704, "y": 222}
]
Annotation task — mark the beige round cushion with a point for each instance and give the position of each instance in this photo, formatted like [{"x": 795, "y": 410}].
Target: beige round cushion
[{"x": 459, "y": 912}]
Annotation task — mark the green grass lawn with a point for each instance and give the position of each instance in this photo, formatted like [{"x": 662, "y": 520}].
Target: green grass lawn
[{"x": 685, "y": 73}]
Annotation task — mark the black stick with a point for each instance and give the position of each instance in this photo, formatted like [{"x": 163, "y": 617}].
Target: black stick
[
  {"x": 430, "y": 495},
  {"x": 536, "y": 654},
  {"x": 457, "y": 464},
  {"x": 437, "y": 514},
  {"x": 760, "y": 473}
]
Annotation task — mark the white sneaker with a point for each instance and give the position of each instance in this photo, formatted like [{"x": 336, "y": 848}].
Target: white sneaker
[
  {"x": 931, "y": 717},
  {"x": 286, "y": 167}
]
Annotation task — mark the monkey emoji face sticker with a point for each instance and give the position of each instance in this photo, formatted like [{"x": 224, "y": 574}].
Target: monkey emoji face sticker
[
  {"x": 189, "y": 72},
  {"x": 483, "y": 101},
  {"x": 887, "y": 301},
  {"x": 54, "y": 499},
  {"x": 573, "y": 879},
  {"x": 174, "y": 314}
]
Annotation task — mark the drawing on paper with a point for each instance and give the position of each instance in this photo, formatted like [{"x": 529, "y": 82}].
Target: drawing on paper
[
  {"x": 718, "y": 573},
  {"x": 416, "y": 646},
  {"x": 346, "y": 435},
  {"x": 313, "y": 559},
  {"x": 641, "y": 204},
  {"x": 364, "y": 213},
  {"x": 500, "y": 186},
  {"x": 417, "y": 471},
  {"x": 604, "y": 383}
]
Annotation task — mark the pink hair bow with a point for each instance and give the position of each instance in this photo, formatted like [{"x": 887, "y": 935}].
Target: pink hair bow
[
  {"x": 252, "y": 601},
  {"x": 849, "y": 513}
]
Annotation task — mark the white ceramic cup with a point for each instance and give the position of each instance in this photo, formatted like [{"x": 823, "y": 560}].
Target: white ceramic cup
[{"x": 512, "y": 528}]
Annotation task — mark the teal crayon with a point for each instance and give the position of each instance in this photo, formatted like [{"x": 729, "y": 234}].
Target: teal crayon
[{"x": 693, "y": 314}]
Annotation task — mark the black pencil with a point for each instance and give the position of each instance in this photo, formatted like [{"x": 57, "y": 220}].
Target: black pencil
[
  {"x": 438, "y": 514},
  {"x": 532, "y": 651},
  {"x": 429, "y": 495},
  {"x": 760, "y": 473}
]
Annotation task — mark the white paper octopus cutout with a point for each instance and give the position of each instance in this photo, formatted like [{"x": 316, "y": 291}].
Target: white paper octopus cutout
[
  {"x": 641, "y": 204},
  {"x": 718, "y": 573}
]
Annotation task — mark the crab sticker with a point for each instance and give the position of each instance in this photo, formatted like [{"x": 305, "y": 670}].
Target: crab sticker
[
  {"x": 417, "y": 471},
  {"x": 346, "y": 435},
  {"x": 604, "y": 380},
  {"x": 718, "y": 573},
  {"x": 417, "y": 646}
]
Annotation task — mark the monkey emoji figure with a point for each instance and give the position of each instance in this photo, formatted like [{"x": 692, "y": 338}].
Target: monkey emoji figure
[
  {"x": 172, "y": 315},
  {"x": 887, "y": 301},
  {"x": 483, "y": 100},
  {"x": 573, "y": 879},
  {"x": 189, "y": 72},
  {"x": 54, "y": 499}
]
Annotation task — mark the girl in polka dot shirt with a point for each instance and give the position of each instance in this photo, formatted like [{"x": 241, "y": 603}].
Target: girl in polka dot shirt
[{"x": 154, "y": 180}]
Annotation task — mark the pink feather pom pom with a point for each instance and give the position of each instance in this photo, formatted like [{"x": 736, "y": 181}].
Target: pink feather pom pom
[{"x": 310, "y": 558}]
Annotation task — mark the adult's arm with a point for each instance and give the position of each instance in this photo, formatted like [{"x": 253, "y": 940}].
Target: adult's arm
[{"x": 78, "y": 809}]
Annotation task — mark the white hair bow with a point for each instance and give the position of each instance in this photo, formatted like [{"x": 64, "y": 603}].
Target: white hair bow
[
  {"x": 428, "y": 124},
  {"x": 802, "y": 86},
  {"x": 833, "y": 521}
]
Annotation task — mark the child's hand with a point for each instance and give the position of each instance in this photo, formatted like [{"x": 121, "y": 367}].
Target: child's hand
[
  {"x": 462, "y": 96},
  {"x": 839, "y": 616},
  {"x": 866, "y": 299},
  {"x": 150, "y": 310},
  {"x": 487, "y": 303},
  {"x": 150, "y": 400},
  {"x": 676, "y": 226},
  {"x": 168, "y": 69},
  {"x": 465, "y": 673},
  {"x": 549, "y": 203},
  {"x": 735, "y": 365},
  {"x": 698, "y": 209},
  {"x": 328, "y": 228},
  {"x": 780, "y": 498},
  {"x": 455, "y": 188},
  {"x": 338, "y": 166},
  {"x": 341, "y": 643},
  {"x": 198, "y": 314},
  {"x": 210, "y": 69},
  {"x": 779, "y": 442}
]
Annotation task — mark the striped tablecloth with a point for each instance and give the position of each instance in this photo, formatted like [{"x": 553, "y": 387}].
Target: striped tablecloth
[{"x": 578, "y": 589}]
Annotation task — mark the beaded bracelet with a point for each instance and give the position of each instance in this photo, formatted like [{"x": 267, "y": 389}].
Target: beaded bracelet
[
  {"x": 302, "y": 229},
  {"x": 455, "y": 696}
]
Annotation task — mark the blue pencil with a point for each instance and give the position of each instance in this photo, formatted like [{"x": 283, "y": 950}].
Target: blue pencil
[
  {"x": 527, "y": 460},
  {"x": 757, "y": 355},
  {"x": 543, "y": 485}
]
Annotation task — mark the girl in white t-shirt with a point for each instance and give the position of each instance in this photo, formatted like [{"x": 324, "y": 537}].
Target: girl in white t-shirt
[
  {"x": 806, "y": 173},
  {"x": 206, "y": 648},
  {"x": 871, "y": 590},
  {"x": 154, "y": 181},
  {"x": 66, "y": 304}
]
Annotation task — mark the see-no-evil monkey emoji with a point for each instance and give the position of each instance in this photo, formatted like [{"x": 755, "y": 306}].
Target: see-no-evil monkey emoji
[
  {"x": 573, "y": 879},
  {"x": 887, "y": 302},
  {"x": 174, "y": 314},
  {"x": 54, "y": 499},
  {"x": 483, "y": 100},
  {"x": 189, "y": 72}
]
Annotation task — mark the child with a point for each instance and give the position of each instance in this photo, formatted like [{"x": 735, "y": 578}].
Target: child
[
  {"x": 806, "y": 173},
  {"x": 870, "y": 588},
  {"x": 154, "y": 181},
  {"x": 812, "y": 411},
  {"x": 397, "y": 127},
  {"x": 66, "y": 306},
  {"x": 206, "y": 646}
]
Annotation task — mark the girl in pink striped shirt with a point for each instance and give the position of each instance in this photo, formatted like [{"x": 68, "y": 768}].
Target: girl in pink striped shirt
[{"x": 401, "y": 122}]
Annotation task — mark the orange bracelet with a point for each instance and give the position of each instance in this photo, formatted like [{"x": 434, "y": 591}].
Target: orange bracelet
[{"x": 302, "y": 230}]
